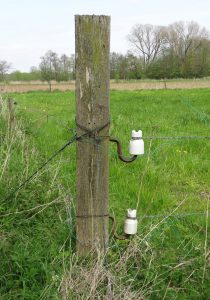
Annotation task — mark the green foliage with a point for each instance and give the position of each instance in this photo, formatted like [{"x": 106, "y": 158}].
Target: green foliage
[
  {"x": 178, "y": 50},
  {"x": 4, "y": 68},
  {"x": 166, "y": 258},
  {"x": 125, "y": 66},
  {"x": 53, "y": 67},
  {"x": 24, "y": 76}
]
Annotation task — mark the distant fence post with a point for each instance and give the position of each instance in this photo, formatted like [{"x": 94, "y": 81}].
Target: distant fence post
[
  {"x": 92, "y": 111},
  {"x": 11, "y": 113}
]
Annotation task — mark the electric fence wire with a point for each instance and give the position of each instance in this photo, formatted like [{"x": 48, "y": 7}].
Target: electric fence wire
[
  {"x": 152, "y": 126},
  {"x": 170, "y": 139},
  {"x": 40, "y": 168},
  {"x": 73, "y": 236},
  {"x": 175, "y": 137},
  {"x": 75, "y": 137},
  {"x": 71, "y": 141},
  {"x": 181, "y": 215},
  {"x": 201, "y": 115}
]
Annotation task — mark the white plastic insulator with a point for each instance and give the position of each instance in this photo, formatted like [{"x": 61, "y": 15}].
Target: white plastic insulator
[
  {"x": 131, "y": 213},
  {"x": 136, "y": 146},
  {"x": 131, "y": 223},
  {"x": 136, "y": 134}
]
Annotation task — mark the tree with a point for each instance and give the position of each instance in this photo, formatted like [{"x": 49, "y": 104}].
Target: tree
[
  {"x": 134, "y": 66},
  {"x": 35, "y": 73},
  {"x": 178, "y": 50},
  {"x": 46, "y": 68},
  {"x": 64, "y": 66},
  {"x": 4, "y": 68},
  {"x": 67, "y": 67},
  {"x": 148, "y": 41},
  {"x": 72, "y": 66},
  {"x": 114, "y": 65},
  {"x": 124, "y": 66},
  {"x": 53, "y": 67},
  {"x": 185, "y": 41}
]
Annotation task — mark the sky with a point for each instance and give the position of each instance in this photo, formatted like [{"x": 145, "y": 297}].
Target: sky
[{"x": 29, "y": 28}]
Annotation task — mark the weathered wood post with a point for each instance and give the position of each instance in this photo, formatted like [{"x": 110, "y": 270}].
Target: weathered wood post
[{"x": 92, "y": 111}]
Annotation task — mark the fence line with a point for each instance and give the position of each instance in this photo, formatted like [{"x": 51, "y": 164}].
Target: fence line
[{"x": 75, "y": 137}]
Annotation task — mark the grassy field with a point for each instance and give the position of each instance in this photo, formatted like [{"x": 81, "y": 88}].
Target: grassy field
[{"x": 169, "y": 185}]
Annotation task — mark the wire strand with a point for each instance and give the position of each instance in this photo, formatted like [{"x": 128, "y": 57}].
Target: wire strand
[
  {"x": 71, "y": 141},
  {"x": 174, "y": 137},
  {"x": 40, "y": 168},
  {"x": 181, "y": 215}
]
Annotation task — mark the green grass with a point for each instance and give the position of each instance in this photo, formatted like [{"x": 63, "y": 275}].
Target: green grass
[{"x": 167, "y": 258}]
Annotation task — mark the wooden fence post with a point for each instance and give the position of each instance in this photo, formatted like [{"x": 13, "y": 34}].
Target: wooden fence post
[{"x": 92, "y": 111}]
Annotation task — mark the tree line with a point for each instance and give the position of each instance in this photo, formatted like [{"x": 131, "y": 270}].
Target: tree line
[{"x": 180, "y": 50}]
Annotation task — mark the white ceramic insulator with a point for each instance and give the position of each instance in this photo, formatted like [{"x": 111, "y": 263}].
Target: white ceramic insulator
[
  {"x": 136, "y": 147},
  {"x": 136, "y": 134},
  {"x": 131, "y": 223},
  {"x": 130, "y": 226},
  {"x": 131, "y": 213}
]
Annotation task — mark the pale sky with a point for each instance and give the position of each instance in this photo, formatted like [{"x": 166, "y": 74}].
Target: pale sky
[{"x": 31, "y": 27}]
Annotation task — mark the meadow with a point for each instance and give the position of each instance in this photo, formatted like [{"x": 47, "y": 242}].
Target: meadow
[{"x": 170, "y": 256}]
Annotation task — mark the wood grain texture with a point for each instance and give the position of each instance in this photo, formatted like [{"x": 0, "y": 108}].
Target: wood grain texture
[{"x": 92, "y": 111}]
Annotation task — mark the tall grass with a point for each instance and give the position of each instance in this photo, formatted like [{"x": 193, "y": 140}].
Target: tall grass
[{"x": 168, "y": 259}]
